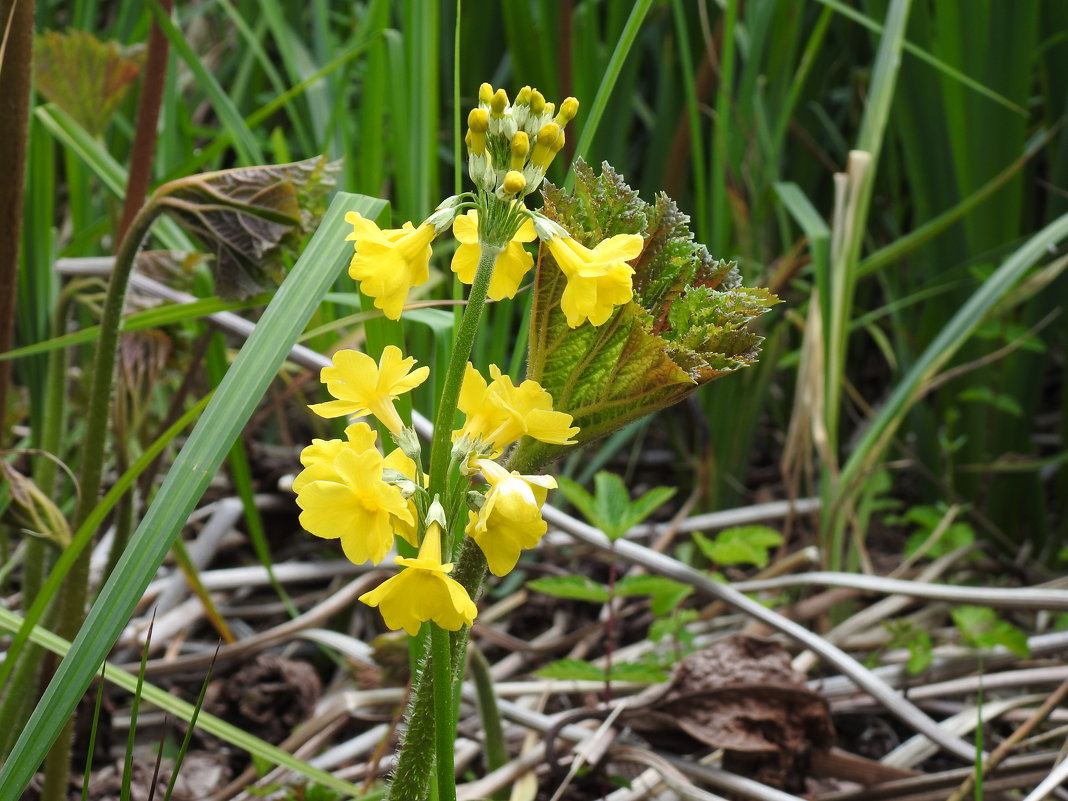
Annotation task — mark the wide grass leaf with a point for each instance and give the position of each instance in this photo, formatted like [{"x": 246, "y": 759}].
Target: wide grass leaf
[{"x": 198, "y": 462}]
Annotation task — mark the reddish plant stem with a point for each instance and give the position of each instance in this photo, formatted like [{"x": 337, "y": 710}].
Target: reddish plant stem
[
  {"x": 16, "y": 31},
  {"x": 143, "y": 149}
]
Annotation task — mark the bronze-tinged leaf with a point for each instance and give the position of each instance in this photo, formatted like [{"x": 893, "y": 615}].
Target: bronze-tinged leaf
[
  {"x": 686, "y": 325},
  {"x": 84, "y": 76},
  {"x": 252, "y": 219}
]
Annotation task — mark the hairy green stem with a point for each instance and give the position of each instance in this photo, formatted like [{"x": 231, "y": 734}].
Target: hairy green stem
[
  {"x": 441, "y": 444},
  {"x": 444, "y": 725},
  {"x": 431, "y": 702},
  {"x": 72, "y": 597},
  {"x": 22, "y": 690}
]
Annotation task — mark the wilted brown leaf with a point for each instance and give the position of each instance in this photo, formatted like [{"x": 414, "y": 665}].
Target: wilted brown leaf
[{"x": 740, "y": 694}]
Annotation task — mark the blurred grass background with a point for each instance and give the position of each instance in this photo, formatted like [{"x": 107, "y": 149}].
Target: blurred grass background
[{"x": 743, "y": 112}]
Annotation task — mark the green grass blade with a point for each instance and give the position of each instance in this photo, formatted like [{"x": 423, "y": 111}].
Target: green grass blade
[
  {"x": 952, "y": 336},
  {"x": 923, "y": 55},
  {"x": 167, "y": 314},
  {"x": 163, "y": 700},
  {"x": 111, "y": 174},
  {"x": 888, "y": 254},
  {"x": 244, "y": 141},
  {"x": 608, "y": 81},
  {"x": 82, "y": 536},
  {"x": 207, "y": 446}
]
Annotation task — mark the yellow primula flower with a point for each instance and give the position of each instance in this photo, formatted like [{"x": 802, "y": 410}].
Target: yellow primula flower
[
  {"x": 358, "y": 436},
  {"x": 510, "y": 518},
  {"x": 598, "y": 280},
  {"x": 500, "y": 413},
  {"x": 389, "y": 263},
  {"x": 363, "y": 387},
  {"x": 423, "y": 591},
  {"x": 399, "y": 461},
  {"x": 347, "y": 499},
  {"x": 512, "y": 263}
]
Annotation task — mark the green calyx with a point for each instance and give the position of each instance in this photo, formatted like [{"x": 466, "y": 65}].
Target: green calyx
[
  {"x": 686, "y": 325},
  {"x": 498, "y": 220}
]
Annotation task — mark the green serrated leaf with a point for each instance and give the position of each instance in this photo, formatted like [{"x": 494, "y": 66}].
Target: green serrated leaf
[
  {"x": 648, "y": 503},
  {"x": 631, "y": 671},
  {"x": 981, "y": 628},
  {"x": 613, "y": 504},
  {"x": 761, "y": 536},
  {"x": 744, "y": 545},
  {"x": 578, "y": 588},
  {"x": 252, "y": 219},
  {"x": 84, "y": 76},
  {"x": 578, "y": 497},
  {"x": 570, "y": 670},
  {"x": 665, "y": 593}
]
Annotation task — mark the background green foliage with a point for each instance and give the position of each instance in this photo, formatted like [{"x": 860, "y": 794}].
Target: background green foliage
[{"x": 715, "y": 103}]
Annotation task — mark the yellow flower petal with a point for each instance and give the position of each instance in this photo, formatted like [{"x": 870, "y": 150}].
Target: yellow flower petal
[
  {"x": 346, "y": 499},
  {"x": 512, "y": 264},
  {"x": 510, "y": 519},
  {"x": 598, "y": 280},
  {"x": 389, "y": 263},
  {"x": 500, "y": 413},
  {"x": 363, "y": 387},
  {"x": 423, "y": 592}
]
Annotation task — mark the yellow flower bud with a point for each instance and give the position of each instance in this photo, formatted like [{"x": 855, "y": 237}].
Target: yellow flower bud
[
  {"x": 549, "y": 109},
  {"x": 499, "y": 102},
  {"x": 485, "y": 92},
  {"x": 568, "y": 110},
  {"x": 557, "y": 145},
  {"x": 514, "y": 183},
  {"x": 543, "y": 152},
  {"x": 537, "y": 102},
  {"x": 477, "y": 125},
  {"x": 523, "y": 98},
  {"x": 478, "y": 119},
  {"x": 520, "y": 148}
]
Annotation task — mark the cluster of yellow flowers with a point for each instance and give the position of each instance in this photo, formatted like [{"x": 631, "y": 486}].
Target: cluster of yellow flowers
[
  {"x": 509, "y": 147},
  {"x": 349, "y": 491}
]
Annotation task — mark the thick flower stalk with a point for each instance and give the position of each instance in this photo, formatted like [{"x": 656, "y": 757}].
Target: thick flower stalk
[{"x": 628, "y": 315}]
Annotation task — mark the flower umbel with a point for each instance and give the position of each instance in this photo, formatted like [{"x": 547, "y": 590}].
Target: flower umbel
[
  {"x": 510, "y": 518},
  {"x": 346, "y": 499},
  {"x": 362, "y": 387},
  {"x": 389, "y": 263},
  {"x": 598, "y": 280},
  {"x": 423, "y": 591},
  {"x": 500, "y": 413},
  {"x": 512, "y": 263}
]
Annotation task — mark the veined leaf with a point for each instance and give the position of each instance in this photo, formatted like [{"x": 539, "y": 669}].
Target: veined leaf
[
  {"x": 252, "y": 218},
  {"x": 685, "y": 326}
]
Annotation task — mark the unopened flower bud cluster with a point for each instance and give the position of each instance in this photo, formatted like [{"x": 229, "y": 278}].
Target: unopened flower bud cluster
[{"x": 511, "y": 145}]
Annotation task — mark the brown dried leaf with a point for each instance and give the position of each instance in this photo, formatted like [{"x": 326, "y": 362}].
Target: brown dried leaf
[
  {"x": 269, "y": 696},
  {"x": 740, "y": 694}
]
